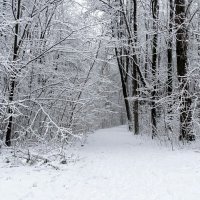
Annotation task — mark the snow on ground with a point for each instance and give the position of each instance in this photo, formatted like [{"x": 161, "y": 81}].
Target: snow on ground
[{"x": 113, "y": 165}]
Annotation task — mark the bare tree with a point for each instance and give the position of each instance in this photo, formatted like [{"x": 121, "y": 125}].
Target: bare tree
[
  {"x": 182, "y": 69},
  {"x": 155, "y": 13}
]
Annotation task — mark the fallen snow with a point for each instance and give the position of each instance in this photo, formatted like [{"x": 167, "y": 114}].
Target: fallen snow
[{"x": 113, "y": 165}]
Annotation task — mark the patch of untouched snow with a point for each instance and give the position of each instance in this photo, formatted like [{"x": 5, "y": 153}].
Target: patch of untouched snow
[{"x": 113, "y": 165}]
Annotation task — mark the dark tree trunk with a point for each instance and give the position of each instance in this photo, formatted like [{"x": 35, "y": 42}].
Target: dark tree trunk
[
  {"x": 135, "y": 74},
  {"x": 124, "y": 87},
  {"x": 155, "y": 10},
  {"x": 146, "y": 57},
  {"x": 123, "y": 63},
  {"x": 170, "y": 68},
  {"x": 13, "y": 76},
  {"x": 169, "y": 51},
  {"x": 182, "y": 68}
]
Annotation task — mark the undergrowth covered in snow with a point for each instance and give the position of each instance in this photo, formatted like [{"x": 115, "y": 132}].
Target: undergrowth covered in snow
[{"x": 111, "y": 165}]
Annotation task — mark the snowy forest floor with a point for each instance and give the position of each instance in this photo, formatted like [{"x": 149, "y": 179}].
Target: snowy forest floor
[{"x": 112, "y": 165}]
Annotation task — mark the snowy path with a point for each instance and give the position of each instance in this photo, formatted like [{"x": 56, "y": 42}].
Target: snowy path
[{"x": 113, "y": 166}]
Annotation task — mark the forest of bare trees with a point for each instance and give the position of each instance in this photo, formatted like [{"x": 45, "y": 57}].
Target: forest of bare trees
[
  {"x": 55, "y": 83},
  {"x": 68, "y": 68},
  {"x": 157, "y": 49},
  {"x": 99, "y": 99}
]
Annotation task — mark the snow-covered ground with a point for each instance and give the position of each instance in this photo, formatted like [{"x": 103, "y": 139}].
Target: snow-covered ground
[{"x": 113, "y": 165}]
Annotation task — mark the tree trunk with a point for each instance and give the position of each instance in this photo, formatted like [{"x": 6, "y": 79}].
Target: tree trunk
[
  {"x": 123, "y": 65},
  {"x": 13, "y": 76},
  {"x": 170, "y": 69},
  {"x": 135, "y": 74},
  {"x": 155, "y": 9},
  {"x": 124, "y": 88},
  {"x": 182, "y": 67}
]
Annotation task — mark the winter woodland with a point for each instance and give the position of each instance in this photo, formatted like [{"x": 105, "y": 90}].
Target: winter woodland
[
  {"x": 70, "y": 67},
  {"x": 99, "y": 99}
]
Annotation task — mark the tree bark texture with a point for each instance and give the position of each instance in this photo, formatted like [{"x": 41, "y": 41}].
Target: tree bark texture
[{"x": 182, "y": 68}]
